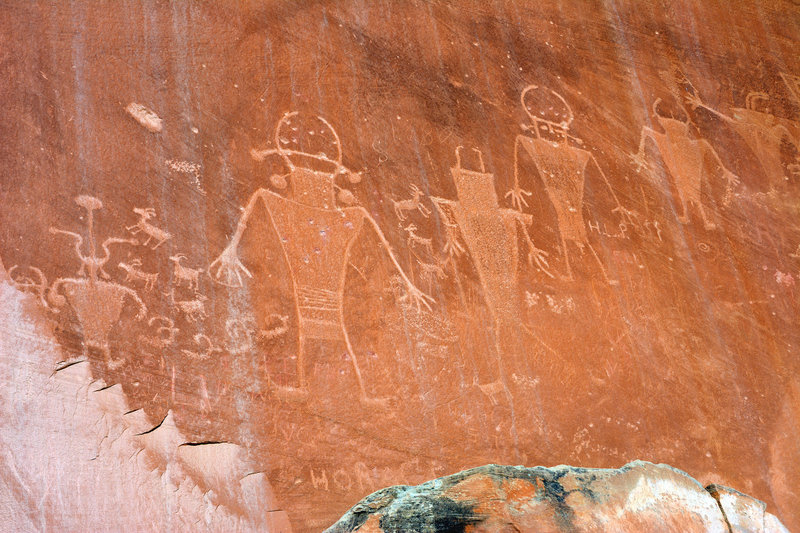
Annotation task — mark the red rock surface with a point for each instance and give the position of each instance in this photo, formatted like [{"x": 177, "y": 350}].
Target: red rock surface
[
  {"x": 367, "y": 244},
  {"x": 640, "y": 496}
]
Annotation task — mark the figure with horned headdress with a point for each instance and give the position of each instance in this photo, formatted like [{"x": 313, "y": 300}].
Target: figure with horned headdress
[{"x": 687, "y": 159}]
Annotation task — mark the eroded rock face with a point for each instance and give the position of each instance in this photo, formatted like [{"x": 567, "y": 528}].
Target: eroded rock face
[
  {"x": 640, "y": 496},
  {"x": 333, "y": 246},
  {"x": 75, "y": 457}
]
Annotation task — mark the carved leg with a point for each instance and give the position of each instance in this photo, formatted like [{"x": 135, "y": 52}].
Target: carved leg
[
  {"x": 683, "y": 219},
  {"x": 566, "y": 258},
  {"x": 376, "y": 403},
  {"x": 297, "y": 394},
  {"x": 602, "y": 268},
  {"x": 707, "y": 224}
]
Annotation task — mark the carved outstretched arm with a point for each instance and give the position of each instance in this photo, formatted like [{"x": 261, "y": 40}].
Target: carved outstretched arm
[
  {"x": 729, "y": 176},
  {"x": 452, "y": 247},
  {"x": 229, "y": 268},
  {"x": 517, "y": 194},
  {"x": 696, "y": 102},
  {"x": 623, "y": 212},
  {"x": 535, "y": 255},
  {"x": 638, "y": 158},
  {"x": 78, "y": 241},
  {"x": 416, "y": 295}
]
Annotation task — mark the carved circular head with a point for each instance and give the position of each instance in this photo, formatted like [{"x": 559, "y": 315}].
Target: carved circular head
[
  {"x": 304, "y": 137},
  {"x": 546, "y": 107},
  {"x": 753, "y": 99},
  {"x": 672, "y": 111},
  {"x": 90, "y": 203}
]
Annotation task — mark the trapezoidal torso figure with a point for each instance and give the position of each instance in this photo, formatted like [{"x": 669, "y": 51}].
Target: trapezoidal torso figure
[
  {"x": 316, "y": 227},
  {"x": 562, "y": 169},
  {"x": 97, "y": 303},
  {"x": 686, "y": 158},
  {"x": 759, "y": 128},
  {"x": 491, "y": 234}
]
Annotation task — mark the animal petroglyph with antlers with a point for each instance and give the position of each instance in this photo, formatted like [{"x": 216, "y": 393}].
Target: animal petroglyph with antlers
[{"x": 411, "y": 204}]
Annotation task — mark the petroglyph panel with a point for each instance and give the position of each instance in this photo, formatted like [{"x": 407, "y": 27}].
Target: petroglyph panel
[{"x": 338, "y": 246}]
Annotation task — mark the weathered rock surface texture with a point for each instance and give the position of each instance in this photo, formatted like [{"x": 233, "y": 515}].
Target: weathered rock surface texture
[
  {"x": 640, "y": 496},
  {"x": 321, "y": 248}
]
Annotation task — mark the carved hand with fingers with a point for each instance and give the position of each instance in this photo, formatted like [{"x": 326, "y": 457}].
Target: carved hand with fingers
[
  {"x": 227, "y": 269},
  {"x": 517, "y": 195},
  {"x": 731, "y": 178},
  {"x": 639, "y": 162},
  {"x": 417, "y": 297},
  {"x": 693, "y": 100}
]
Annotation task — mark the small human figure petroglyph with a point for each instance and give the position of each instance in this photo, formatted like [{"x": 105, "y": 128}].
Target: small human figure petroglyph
[
  {"x": 686, "y": 160},
  {"x": 133, "y": 273},
  {"x": 316, "y": 224},
  {"x": 414, "y": 203},
  {"x": 98, "y": 304},
  {"x": 152, "y": 232},
  {"x": 182, "y": 273}
]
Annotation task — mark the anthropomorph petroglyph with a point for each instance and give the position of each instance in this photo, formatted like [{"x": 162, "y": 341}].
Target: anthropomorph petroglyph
[
  {"x": 98, "y": 304},
  {"x": 316, "y": 224},
  {"x": 757, "y": 126},
  {"x": 686, "y": 158},
  {"x": 491, "y": 235},
  {"x": 143, "y": 226},
  {"x": 561, "y": 166}
]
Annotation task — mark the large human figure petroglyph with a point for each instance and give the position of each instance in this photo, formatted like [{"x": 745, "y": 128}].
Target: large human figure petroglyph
[
  {"x": 316, "y": 224},
  {"x": 686, "y": 159},
  {"x": 562, "y": 169},
  {"x": 98, "y": 304},
  {"x": 491, "y": 235},
  {"x": 758, "y": 127}
]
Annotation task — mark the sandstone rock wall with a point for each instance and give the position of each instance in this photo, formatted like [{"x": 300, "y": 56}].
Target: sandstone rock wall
[{"x": 362, "y": 244}]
